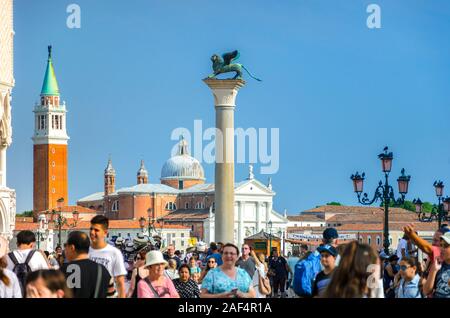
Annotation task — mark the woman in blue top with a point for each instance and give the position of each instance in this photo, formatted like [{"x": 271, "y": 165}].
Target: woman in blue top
[
  {"x": 227, "y": 280},
  {"x": 409, "y": 284}
]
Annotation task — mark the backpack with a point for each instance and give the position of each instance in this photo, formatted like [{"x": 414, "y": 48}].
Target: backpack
[
  {"x": 21, "y": 270},
  {"x": 304, "y": 274}
]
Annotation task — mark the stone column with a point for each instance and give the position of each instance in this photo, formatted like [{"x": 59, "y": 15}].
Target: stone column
[
  {"x": 268, "y": 213},
  {"x": 224, "y": 92},
  {"x": 241, "y": 234},
  {"x": 258, "y": 216},
  {"x": 3, "y": 166}
]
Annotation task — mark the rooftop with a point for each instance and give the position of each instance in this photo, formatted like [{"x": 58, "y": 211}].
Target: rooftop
[
  {"x": 351, "y": 209},
  {"x": 84, "y": 225},
  {"x": 305, "y": 218},
  {"x": 187, "y": 214},
  {"x": 71, "y": 209}
]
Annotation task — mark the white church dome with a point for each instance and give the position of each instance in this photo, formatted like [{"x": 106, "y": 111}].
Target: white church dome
[{"x": 182, "y": 165}]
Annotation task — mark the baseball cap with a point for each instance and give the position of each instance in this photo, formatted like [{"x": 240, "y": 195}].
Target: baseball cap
[
  {"x": 330, "y": 233},
  {"x": 329, "y": 249},
  {"x": 446, "y": 237},
  {"x": 444, "y": 229}
]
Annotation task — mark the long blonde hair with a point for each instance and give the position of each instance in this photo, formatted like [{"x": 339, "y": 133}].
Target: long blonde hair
[
  {"x": 5, "y": 279},
  {"x": 262, "y": 259},
  {"x": 349, "y": 279}
]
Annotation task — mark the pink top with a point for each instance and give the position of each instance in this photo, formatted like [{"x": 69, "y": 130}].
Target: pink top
[
  {"x": 436, "y": 253},
  {"x": 167, "y": 290}
]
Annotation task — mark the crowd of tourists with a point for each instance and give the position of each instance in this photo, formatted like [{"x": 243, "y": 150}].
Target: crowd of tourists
[{"x": 89, "y": 267}]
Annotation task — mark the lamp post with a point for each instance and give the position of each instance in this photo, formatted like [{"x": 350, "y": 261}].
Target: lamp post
[
  {"x": 446, "y": 209},
  {"x": 280, "y": 235},
  {"x": 270, "y": 237},
  {"x": 439, "y": 211},
  {"x": 419, "y": 209},
  {"x": 142, "y": 222},
  {"x": 42, "y": 231},
  {"x": 60, "y": 221},
  {"x": 384, "y": 192}
]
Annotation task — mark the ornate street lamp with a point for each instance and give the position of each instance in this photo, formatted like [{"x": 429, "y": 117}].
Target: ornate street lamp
[
  {"x": 446, "y": 206},
  {"x": 384, "y": 192},
  {"x": 439, "y": 188},
  {"x": 386, "y": 160},
  {"x": 440, "y": 211},
  {"x": 142, "y": 223},
  {"x": 418, "y": 205},
  {"x": 446, "y": 209},
  {"x": 59, "y": 221},
  {"x": 76, "y": 216},
  {"x": 42, "y": 231},
  {"x": 270, "y": 237},
  {"x": 358, "y": 182}
]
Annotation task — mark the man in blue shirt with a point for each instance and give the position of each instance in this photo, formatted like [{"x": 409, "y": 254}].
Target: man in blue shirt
[{"x": 215, "y": 254}]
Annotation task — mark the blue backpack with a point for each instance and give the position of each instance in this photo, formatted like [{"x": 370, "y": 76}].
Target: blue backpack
[{"x": 305, "y": 273}]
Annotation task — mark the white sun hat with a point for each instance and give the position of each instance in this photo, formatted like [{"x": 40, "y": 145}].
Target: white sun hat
[
  {"x": 446, "y": 237},
  {"x": 154, "y": 257}
]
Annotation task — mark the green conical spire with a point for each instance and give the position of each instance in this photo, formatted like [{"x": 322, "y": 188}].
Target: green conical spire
[{"x": 50, "y": 86}]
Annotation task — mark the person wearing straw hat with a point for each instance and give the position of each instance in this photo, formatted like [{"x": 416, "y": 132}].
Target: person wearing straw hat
[
  {"x": 9, "y": 284},
  {"x": 156, "y": 284}
]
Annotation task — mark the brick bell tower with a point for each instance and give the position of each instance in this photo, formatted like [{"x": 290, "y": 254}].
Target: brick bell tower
[{"x": 49, "y": 144}]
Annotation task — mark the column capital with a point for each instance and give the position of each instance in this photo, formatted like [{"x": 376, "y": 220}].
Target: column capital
[{"x": 224, "y": 91}]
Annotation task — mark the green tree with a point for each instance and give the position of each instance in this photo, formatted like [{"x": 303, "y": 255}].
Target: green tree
[
  {"x": 25, "y": 214},
  {"x": 334, "y": 203},
  {"x": 410, "y": 206}
]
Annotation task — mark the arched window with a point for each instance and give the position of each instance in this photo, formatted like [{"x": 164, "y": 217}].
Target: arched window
[
  {"x": 378, "y": 240},
  {"x": 200, "y": 205},
  {"x": 115, "y": 206},
  {"x": 171, "y": 206},
  {"x": 186, "y": 205},
  {"x": 369, "y": 240}
]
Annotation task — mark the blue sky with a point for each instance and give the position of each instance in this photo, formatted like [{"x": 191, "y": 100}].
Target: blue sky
[{"x": 337, "y": 90}]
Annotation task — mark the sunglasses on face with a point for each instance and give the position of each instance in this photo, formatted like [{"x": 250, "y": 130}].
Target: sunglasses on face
[
  {"x": 211, "y": 262},
  {"x": 403, "y": 267}
]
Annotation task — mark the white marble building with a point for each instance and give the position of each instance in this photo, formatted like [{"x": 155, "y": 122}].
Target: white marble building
[
  {"x": 7, "y": 195},
  {"x": 252, "y": 212}
]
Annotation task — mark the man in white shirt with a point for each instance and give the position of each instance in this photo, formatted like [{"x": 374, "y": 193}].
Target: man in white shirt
[
  {"x": 105, "y": 254},
  {"x": 26, "y": 241},
  {"x": 402, "y": 248}
]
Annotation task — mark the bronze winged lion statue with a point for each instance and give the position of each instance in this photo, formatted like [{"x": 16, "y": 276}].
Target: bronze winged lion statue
[{"x": 223, "y": 65}]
